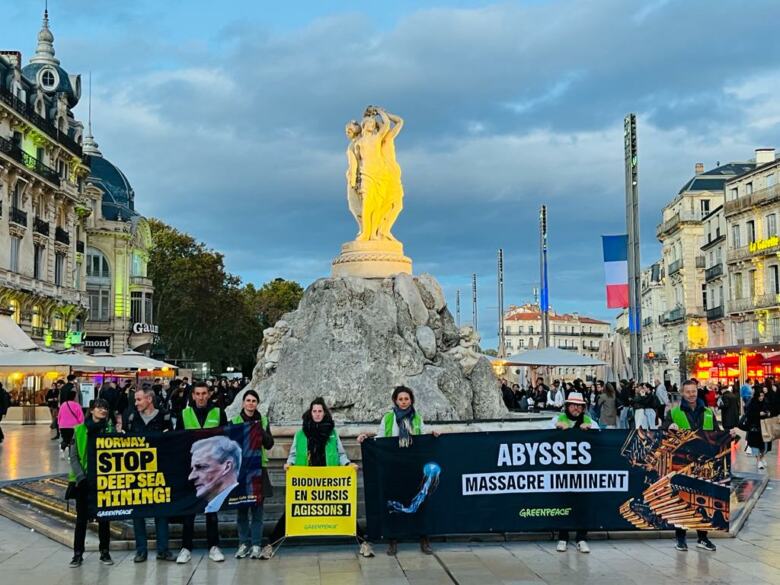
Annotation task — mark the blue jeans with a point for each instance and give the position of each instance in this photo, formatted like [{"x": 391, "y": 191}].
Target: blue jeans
[
  {"x": 256, "y": 525},
  {"x": 161, "y": 532}
]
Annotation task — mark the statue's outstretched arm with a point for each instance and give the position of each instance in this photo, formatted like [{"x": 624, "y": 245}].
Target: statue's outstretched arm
[
  {"x": 398, "y": 123},
  {"x": 385, "y": 127}
]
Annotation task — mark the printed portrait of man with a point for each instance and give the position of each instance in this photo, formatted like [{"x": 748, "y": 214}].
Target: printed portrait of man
[{"x": 215, "y": 463}]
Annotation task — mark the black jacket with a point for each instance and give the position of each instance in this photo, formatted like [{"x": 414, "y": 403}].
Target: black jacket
[
  {"x": 729, "y": 409},
  {"x": 133, "y": 423}
]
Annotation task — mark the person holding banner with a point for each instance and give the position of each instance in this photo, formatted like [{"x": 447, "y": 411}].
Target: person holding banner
[
  {"x": 142, "y": 420},
  {"x": 202, "y": 415},
  {"x": 250, "y": 539},
  {"x": 316, "y": 444},
  {"x": 573, "y": 417},
  {"x": 97, "y": 423},
  {"x": 403, "y": 422},
  {"x": 692, "y": 414}
]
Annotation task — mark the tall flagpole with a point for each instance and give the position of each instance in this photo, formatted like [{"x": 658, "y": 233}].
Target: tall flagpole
[
  {"x": 544, "y": 297},
  {"x": 632, "y": 227}
]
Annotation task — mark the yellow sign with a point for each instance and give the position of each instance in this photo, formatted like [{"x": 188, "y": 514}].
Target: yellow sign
[
  {"x": 321, "y": 501},
  {"x": 760, "y": 245}
]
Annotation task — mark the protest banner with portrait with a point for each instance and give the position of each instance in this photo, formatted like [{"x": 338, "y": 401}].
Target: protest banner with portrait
[
  {"x": 540, "y": 480},
  {"x": 321, "y": 501},
  {"x": 175, "y": 473}
]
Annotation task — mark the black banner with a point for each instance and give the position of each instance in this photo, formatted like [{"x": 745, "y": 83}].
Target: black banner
[
  {"x": 526, "y": 481},
  {"x": 175, "y": 473}
]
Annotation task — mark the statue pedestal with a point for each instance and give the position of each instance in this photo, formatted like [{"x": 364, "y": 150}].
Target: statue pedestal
[{"x": 371, "y": 259}]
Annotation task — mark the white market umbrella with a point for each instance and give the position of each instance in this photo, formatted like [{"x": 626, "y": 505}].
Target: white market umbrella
[{"x": 551, "y": 357}]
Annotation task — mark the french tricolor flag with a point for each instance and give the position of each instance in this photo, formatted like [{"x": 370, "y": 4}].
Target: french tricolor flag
[{"x": 616, "y": 269}]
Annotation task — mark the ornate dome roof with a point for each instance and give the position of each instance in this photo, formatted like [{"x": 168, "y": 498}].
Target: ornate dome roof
[{"x": 118, "y": 194}]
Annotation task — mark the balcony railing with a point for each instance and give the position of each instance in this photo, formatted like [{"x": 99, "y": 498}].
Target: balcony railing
[
  {"x": 18, "y": 216},
  {"x": 736, "y": 254},
  {"x": 144, "y": 281},
  {"x": 32, "y": 163},
  {"x": 674, "y": 315},
  {"x": 715, "y": 313},
  {"x": 760, "y": 197},
  {"x": 61, "y": 235},
  {"x": 41, "y": 227},
  {"x": 713, "y": 272},
  {"x": 680, "y": 217},
  {"x": 28, "y": 113},
  {"x": 37, "y": 331},
  {"x": 675, "y": 266},
  {"x": 79, "y": 246},
  {"x": 59, "y": 334}
]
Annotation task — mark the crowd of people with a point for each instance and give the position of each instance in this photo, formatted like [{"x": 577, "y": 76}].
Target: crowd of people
[
  {"x": 182, "y": 406},
  {"x": 179, "y": 405}
]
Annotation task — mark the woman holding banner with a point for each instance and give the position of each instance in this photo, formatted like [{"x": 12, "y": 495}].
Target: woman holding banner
[
  {"x": 573, "y": 417},
  {"x": 403, "y": 421},
  {"x": 97, "y": 423},
  {"x": 250, "y": 538},
  {"x": 316, "y": 444}
]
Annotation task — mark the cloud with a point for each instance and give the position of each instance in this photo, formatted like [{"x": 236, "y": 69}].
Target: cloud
[{"x": 231, "y": 126}]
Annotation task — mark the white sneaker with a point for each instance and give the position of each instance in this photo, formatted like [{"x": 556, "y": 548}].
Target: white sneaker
[
  {"x": 267, "y": 552},
  {"x": 761, "y": 464},
  {"x": 562, "y": 544},
  {"x": 255, "y": 554},
  {"x": 242, "y": 552},
  {"x": 184, "y": 556},
  {"x": 583, "y": 547},
  {"x": 216, "y": 555},
  {"x": 366, "y": 550}
]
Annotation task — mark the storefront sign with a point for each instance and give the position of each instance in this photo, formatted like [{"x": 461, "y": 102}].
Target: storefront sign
[
  {"x": 101, "y": 342},
  {"x": 760, "y": 245},
  {"x": 139, "y": 328},
  {"x": 321, "y": 501}
]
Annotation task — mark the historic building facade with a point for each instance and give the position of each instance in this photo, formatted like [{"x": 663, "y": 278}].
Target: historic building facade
[
  {"x": 574, "y": 332},
  {"x": 42, "y": 174},
  {"x": 73, "y": 250}
]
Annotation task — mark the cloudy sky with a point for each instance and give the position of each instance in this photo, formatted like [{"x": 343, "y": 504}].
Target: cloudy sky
[{"x": 228, "y": 119}]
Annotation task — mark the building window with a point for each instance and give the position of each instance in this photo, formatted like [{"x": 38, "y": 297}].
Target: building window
[
  {"x": 138, "y": 267},
  {"x": 136, "y": 307},
  {"x": 751, "y": 292},
  {"x": 735, "y": 236},
  {"x": 99, "y": 304},
  {"x": 58, "y": 323},
  {"x": 771, "y": 225},
  {"x": 774, "y": 279},
  {"x": 16, "y": 243},
  {"x": 771, "y": 180},
  {"x": 705, "y": 206},
  {"x": 97, "y": 265},
  {"x": 148, "y": 312},
  {"x": 59, "y": 269},
  {"x": 13, "y": 306},
  {"x": 38, "y": 263},
  {"x": 751, "y": 231},
  {"x": 733, "y": 194},
  {"x": 704, "y": 296},
  {"x": 749, "y": 188},
  {"x": 738, "y": 285},
  {"x": 775, "y": 327}
]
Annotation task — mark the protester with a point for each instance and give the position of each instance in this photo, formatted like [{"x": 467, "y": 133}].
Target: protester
[
  {"x": 69, "y": 417},
  {"x": 250, "y": 537},
  {"x": 607, "y": 404},
  {"x": 573, "y": 417},
  {"x": 202, "y": 415},
  {"x": 141, "y": 420},
  {"x": 316, "y": 444},
  {"x": 691, "y": 414},
  {"x": 758, "y": 409},
  {"x": 97, "y": 423},
  {"x": 5, "y": 404},
  {"x": 645, "y": 407},
  {"x": 404, "y": 422}
]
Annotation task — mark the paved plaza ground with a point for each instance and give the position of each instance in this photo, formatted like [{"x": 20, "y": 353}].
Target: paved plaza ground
[{"x": 752, "y": 558}]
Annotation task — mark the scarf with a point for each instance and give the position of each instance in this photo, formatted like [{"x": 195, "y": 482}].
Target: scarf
[
  {"x": 317, "y": 435},
  {"x": 404, "y": 419},
  {"x": 576, "y": 421}
]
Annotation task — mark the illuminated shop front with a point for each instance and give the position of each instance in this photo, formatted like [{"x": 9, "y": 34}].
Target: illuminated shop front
[{"x": 728, "y": 364}]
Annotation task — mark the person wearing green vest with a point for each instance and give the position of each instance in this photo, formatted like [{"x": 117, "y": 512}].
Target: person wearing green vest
[
  {"x": 404, "y": 422},
  {"x": 97, "y": 423},
  {"x": 573, "y": 417},
  {"x": 691, "y": 414},
  {"x": 250, "y": 539},
  {"x": 201, "y": 415}
]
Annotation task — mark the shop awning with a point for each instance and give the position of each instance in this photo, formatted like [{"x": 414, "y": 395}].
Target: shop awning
[{"x": 550, "y": 356}]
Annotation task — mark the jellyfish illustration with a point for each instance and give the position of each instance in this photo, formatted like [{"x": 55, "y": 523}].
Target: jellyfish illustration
[{"x": 430, "y": 481}]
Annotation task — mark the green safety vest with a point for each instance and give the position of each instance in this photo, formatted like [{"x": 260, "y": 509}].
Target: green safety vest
[
  {"x": 681, "y": 420},
  {"x": 302, "y": 449},
  {"x": 586, "y": 420},
  {"x": 237, "y": 420},
  {"x": 387, "y": 420},
  {"x": 191, "y": 420},
  {"x": 80, "y": 440}
]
